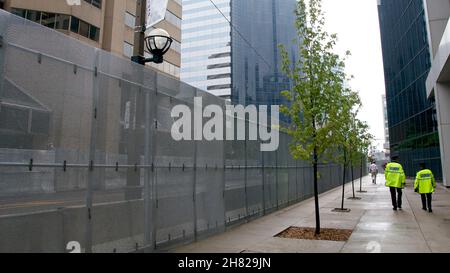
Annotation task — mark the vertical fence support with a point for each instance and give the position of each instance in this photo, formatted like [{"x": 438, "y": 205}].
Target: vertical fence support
[
  {"x": 276, "y": 178},
  {"x": 224, "y": 159},
  {"x": 92, "y": 147},
  {"x": 296, "y": 181},
  {"x": 245, "y": 179},
  {"x": 194, "y": 181},
  {"x": 149, "y": 179},
  {"x": 3, "y": 44},
  {"x": 153, "y": 222},
  {"x": 263, "y": 173}
]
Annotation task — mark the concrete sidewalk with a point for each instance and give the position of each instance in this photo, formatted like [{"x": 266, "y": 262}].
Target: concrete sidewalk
[{"x": 377, "y": 228}]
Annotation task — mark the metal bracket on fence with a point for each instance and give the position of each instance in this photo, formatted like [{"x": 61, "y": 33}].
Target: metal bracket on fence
[
  {"x": 170, "y": 166},
  {"x": 1, "y": 41},
  {"x": 153, "y": 167},
  {"x": 65, "y": 166},
  {"x": 117, "y": 166},
  {"x": 135, "y": 167},
  {"x": 91, "y": 165},
  {"x": 206, "y": 167},
  {"x": 75, "y": 69},
  {"x": 156, "y": 124},
  {"x": 30, "y": 166},
  {"x": 39, "y": 58},
  {"x": 95, "y": 71},
  {"x": 183, "y": 167}
]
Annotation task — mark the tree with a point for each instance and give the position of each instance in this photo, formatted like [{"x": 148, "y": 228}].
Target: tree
[
  {"x": 365, "y": 143},
  {"x": 346, "y": 136},
  {"x": 314, "y": 102}
]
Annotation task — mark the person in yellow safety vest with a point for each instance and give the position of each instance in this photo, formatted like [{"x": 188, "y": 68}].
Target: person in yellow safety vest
[
  {"x": 395, "y": 180},
  {"x": 425, "y": 185}
]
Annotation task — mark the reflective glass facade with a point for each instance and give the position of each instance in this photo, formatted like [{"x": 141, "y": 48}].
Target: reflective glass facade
[
  {"x": 406, "y": 53},
  {"x": 240, "y": 62},
  {"x": 256, "y": 60},
  {"x": 206, "y": 47}
]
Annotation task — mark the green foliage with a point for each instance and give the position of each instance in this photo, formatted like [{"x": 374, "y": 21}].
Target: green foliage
[{"x": 319, "y": 103}]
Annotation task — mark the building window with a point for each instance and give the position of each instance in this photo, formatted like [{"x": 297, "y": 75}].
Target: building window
[
  {"x": 130, "y": 19},
  {"x": 62, "y": 21},
  {"x": 94, "y": 33},
  {"x": 74, "y": 24},
  {"x": 34, "y": 16},
  {"x": 48, "y": 19},
  {"x": 127, "y": 49},
  {"x": 84, "y": 29},
  {"x": 95, "y": 3}
]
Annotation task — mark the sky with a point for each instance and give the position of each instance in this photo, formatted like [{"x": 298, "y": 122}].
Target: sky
[{"x": 356, "y": 24}]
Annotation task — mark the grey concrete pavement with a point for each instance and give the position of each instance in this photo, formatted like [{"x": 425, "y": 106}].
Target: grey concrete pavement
[{"x": 377, "y": 228}]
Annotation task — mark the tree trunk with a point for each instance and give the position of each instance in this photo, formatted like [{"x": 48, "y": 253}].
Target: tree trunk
[
  {"x": 360, "y": 175},
  {"x": 353, "y": 181},
  {"x": 343, "y": 189},
  {"x": 343, "y": 180},
  {"x": 316, "y": 192}
]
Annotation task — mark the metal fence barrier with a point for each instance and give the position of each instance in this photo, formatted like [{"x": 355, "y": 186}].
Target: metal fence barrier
[{"x": 87, "y": 159}]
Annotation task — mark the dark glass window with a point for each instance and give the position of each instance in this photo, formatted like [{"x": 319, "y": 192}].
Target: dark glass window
[
  {"x": 34, "y": 16},
  {"x": 84, "y": 29},
  {"x": 62, "y": 21},
  {"x": 94, "y": 33},
  {"x": 19, "y": 12},
  {"x": 74, "y": 24},
  {"x": 48, "y": 19}
]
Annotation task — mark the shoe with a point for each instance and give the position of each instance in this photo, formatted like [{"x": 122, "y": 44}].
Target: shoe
[
  {"x": 430, "y": 211},
  {"x": 395, "y": 209},
  {"x": 425, "y": 209}
]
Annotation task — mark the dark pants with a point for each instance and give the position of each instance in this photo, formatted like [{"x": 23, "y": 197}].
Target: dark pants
[
  {"x": 426, "y": 199},
  {"x": 396, "y": 201}
]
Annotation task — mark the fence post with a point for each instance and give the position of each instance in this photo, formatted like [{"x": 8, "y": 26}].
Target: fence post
[
  {"x": 245, "y": 177},
  {"x": 194, "y": 193},
  {"x": 224, "y": 162},
  {"x": 3, "y": 25},
  {"x": 296, "y": 181},
  {"x": 149, "y": 156},
  {"x": 92, "y": 147},
  {"x": 276, "y": 178},
  {"x": 153, "y": 183},
  {"x": 263, "y": 183}
]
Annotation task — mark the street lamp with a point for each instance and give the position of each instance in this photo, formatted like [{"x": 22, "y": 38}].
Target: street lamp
[{"x": 158, "y": 42}]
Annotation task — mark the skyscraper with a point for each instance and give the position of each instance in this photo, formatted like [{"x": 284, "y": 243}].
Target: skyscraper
[
  {"x": 108, "y": 25},
  {"x": 206, "y": 48},
  {"x": 230, "y": 48},
  {"x": 406, "y": 54},
  {"x": 386, "y": 145}
]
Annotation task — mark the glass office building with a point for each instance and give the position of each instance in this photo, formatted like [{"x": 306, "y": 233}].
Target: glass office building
[
  {"x": 406, "y": 54},
  {"x": 206, "y": 47},
  {"x": 242, "y": 62}
]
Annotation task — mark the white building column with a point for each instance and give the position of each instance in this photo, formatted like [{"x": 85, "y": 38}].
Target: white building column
[{"x": 442, "y": 95}]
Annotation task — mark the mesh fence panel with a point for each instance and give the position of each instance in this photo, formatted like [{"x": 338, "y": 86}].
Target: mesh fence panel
[{"x": 87, "y": 153}]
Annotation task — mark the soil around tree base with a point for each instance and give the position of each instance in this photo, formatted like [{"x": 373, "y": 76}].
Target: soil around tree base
[{"x": 326, "y": 234}]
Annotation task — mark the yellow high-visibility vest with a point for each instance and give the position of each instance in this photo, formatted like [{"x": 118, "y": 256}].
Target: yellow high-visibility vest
[
  {"x": 425, "y": 182},
  {"x": 395, "y": 176}
]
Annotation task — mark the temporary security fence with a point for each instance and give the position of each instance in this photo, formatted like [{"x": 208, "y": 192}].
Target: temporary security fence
[{"x": 88, "y": 163}]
